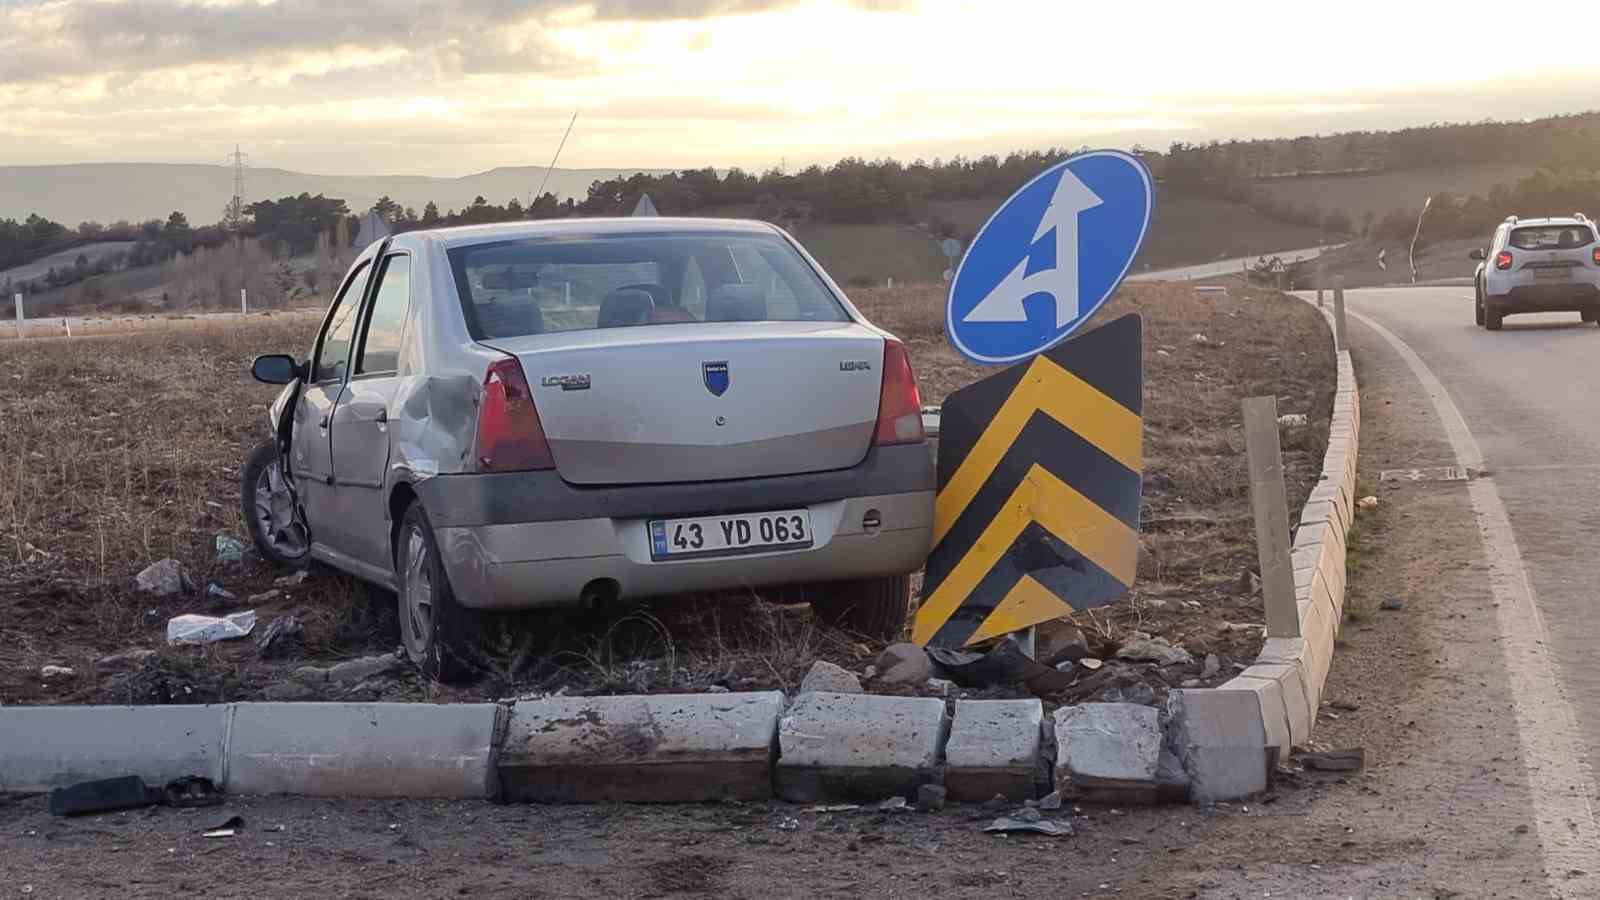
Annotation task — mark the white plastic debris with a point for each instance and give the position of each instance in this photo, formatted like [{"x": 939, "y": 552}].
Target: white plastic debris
[
  {"x": 1367, "y": 502},
  {"x": 197, "y": 629}
]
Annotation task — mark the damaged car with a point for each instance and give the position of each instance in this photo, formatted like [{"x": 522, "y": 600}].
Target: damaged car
[{"x": 546, "y": 414}]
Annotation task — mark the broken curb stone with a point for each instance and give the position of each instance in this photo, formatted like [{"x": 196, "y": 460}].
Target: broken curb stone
[
  {"x": 993, "y": 749},
  {"x": 825, "y": 676},
  {"x": 1108, "y": 751},
  {"x": 163, "y": 578},
  {"x": 854, "y": 747},
  {"x": 905, "y": 664}
]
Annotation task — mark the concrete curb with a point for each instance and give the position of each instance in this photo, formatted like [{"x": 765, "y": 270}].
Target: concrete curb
[{"x": 1286, "y": 681}]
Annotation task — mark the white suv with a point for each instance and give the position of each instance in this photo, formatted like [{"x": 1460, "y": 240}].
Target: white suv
[{"x": 1539, "y": 265}]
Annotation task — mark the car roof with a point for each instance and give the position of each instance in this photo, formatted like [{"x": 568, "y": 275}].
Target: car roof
[
  {"x": 462, "y": 235},
  {"x": 1548, "y": 221}
]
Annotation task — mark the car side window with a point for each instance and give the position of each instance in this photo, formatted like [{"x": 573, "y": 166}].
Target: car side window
[
  {"x": 379, "y": 352},
  {"x": 333, "y": 352}
]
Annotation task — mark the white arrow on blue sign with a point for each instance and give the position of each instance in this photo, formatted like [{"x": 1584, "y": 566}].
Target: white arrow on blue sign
[{"x": 1050, "y": 257}]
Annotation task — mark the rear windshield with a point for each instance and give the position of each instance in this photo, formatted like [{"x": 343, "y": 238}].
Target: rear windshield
[
  {"x": 1551, "y": 237},
  {"x": 552, "y": 284}
]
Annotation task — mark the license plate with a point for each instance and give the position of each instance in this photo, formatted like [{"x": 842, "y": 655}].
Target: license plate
[
  {"x": 1552, "y": 274},
  {"x": 730, "y": 535}
]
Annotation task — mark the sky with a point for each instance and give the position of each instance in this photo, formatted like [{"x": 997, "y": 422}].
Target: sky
[{"x": 450, "y": 87}]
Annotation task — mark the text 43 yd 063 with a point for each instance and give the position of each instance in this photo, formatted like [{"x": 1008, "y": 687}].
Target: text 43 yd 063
[{"x": 520, "y": 415}]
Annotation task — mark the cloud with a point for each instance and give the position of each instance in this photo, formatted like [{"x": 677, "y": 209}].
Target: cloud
[{"x": 64, "y": 38}]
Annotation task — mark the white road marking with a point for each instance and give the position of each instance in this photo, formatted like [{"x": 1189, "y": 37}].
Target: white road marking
[{"x": 1558, "y": 779}]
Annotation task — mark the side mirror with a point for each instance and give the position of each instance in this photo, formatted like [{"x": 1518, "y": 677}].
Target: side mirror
[
  {"x": 1478, "y": 255},
  {"x": 275, "y": 368}
]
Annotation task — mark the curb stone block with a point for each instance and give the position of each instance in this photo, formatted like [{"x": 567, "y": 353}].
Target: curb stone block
[
  {"x": 1222, "y": 739},
  {"x": 994, "y": 749},
  {"x": 664, "y": 748},
  {"x": 1108, "y": 751},
  {"x": 1274, "y": 713},
  {"x": 362, "y": 749},
  {"x": 45, "y": 747},
  {"x": 859, "y": 746}
]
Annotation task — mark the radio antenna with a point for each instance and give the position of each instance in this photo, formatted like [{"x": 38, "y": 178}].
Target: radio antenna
[{"x": 546, "y": 180}]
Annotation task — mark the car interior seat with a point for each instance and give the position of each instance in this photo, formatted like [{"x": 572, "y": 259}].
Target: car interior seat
[
  {"x": 626, "y": 306},
  {"x": 737, "y": 303}
]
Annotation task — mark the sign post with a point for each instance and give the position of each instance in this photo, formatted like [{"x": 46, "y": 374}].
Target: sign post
[
  {"x": 17, "y": 301},
  {"x": 244, "y": 304}
]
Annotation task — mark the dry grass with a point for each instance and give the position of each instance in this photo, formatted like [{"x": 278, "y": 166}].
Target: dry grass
[{"x": 119, "y": 451}]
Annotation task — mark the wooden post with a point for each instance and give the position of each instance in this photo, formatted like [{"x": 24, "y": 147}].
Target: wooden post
[
  {"x": 1338, "y": 318},
  {"x": 1272, "y": 516},
  {"x": 244, "y": 304}
]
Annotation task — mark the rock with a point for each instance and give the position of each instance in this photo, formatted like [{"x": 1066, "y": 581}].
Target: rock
[
  {"x": 290, "y": 692},
  {"x": 229, "y": 549},
  {"x": 280, "y": 638},
  {"x": 869, "y": 673},
  {"x": 294, "y": 580},
  {"x": 310, "y": 674},
  {"x": 1392, "y": 602},
  {"x": 825, "y": 676},
  {"x": 930, "y": 798},
  {"x": 1367, "y": 502},
  {"x": 1050, "y": 801},
  {"x": 1211, "y": 666},
  {"x": 1018, "y": 824},
  {"x": 1191, "y": 683},
  {"x": 1156, "y": 650},
  {"x": 716, "y": 689},
  {"x": 264, "y": 597},
  {"x": 57, "y": 672},
  {"x": 940, "y": 686},
  {"x": 1059, "y": 640},
  {"x": 358, "y": 670},
  {"x": 1200, "y": 339},
  {"x": 163, "y": 578},
  {"x": 1090, "y": 663},
  {"x": 127, "y": 659},
  {"x": 893, "y": 803},
  {"x": 1292, "y": 420},
  {"x": 1029, "y": 815},
  {"x": 905, "y": 664},
  {"x": 997, "y": 802},
  {"x": 1136, "y": 692},
  {"x": 1335, "y": 760}
]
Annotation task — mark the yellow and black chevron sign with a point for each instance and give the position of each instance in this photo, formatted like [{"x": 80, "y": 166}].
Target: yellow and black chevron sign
[{"x": 1039, "y": 480}]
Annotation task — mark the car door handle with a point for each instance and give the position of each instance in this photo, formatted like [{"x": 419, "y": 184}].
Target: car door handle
[
  {"x": 382, "y": 418},
  {"x": 323, "y": 423}
]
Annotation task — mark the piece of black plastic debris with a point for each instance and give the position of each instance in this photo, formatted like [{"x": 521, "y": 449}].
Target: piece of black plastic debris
[
  {"x": 101, "y": 795},
  {"x": 191, "y": 790},
  {"x": 1352, "y": 760},
  {"x": 229, "y": 822}
]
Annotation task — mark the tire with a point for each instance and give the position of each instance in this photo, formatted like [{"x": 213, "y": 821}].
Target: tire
[
  {"x": 1591, "y": 314},
  {"x": 438, "y": 634},
  {"x": 875, "y": 608},
  {"x": 271, "y": 516},
  {"x": 1492, "y": 321},
  {"x": 1477, "y": 308}
]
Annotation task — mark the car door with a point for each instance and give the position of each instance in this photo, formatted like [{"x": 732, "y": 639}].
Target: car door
[
  {"x": 312, "y": 459},
  {"x": 360, "y": 427}
]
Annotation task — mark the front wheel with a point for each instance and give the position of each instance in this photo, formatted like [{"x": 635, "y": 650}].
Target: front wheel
[
  {"x": 270, "y": 513},
  {"x": 875, "y": 608},
  {"x": 437, "y": 632}
]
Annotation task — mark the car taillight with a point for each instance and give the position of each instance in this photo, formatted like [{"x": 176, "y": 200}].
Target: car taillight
[
  {"x": 899, "y": 401},
  {"x": 1597, "y": 256},
  {"x": 1502, "y": 260},
  {"x": 510, "y": 437}
]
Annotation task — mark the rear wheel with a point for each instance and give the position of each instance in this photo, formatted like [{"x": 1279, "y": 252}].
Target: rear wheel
[
  {"x": 1492, "y": 317},
  {"x": 1591, "y": 314},
  {"x": 437, "y": 632},
  {"x": 1477, "y": 307},
  {"x": 875, "y": 608},
  {"x": 270, "y": 513}
]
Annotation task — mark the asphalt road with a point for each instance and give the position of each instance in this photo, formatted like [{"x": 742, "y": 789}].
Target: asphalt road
[{"x": 1228, "y": 266}]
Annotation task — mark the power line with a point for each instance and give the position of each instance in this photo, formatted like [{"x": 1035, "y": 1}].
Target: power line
[{"x": 546, "y": 180}]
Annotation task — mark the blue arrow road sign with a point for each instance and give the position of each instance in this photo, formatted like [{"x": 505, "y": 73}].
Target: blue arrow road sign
[{"x": 1050, "y": 257}]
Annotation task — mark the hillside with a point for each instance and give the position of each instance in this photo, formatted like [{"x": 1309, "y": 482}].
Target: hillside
[
  {"x": 107, "y": 192},
  {"x": 1380, "y": 193}
]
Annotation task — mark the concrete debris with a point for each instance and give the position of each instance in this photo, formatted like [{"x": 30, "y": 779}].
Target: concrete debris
[
  {"x": 264, "y": 597},
  {"x": 163, "y": 579},
  {"x": 1353, "y": 760},
  {"x": 1292, "y": 420},
  {"x": 358, "y": 670},
  {"x": 716, "y": 689},
  {"x": 893, "y": 803},
  {"x": 1392, "y": 603},
  {"x": 57, "y": 672},
  {"x": 930, "y": 797},
  {"x": 280, "y": 638},
  {"x": 1367, "y": 502},
  {"x": 229, "y": 549},
  {"x": 827, "y": 677},
  {"x": 1211, "y": 666},
  {"x": 904, "y": 664},
  {"x": 198, "y": 629},
  {"x": 1114, "y": 746},
  {"x": 940, "y": 686},
  {"x": 1050, "y": 801},
  {"x": 294, "y": 580},
  {"x": 1144, "y": 648}
]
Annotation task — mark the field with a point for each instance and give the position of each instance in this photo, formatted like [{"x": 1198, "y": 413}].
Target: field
[
  {"x": 63, "y": 260},
  {"x": 1386, "y": 192},
  {"x": 119, "y": 451}
]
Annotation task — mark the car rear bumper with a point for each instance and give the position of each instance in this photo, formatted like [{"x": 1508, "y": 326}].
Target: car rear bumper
[
  {"x": 528, "y": 540},
  {"x": 1546, "y": 298}
]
